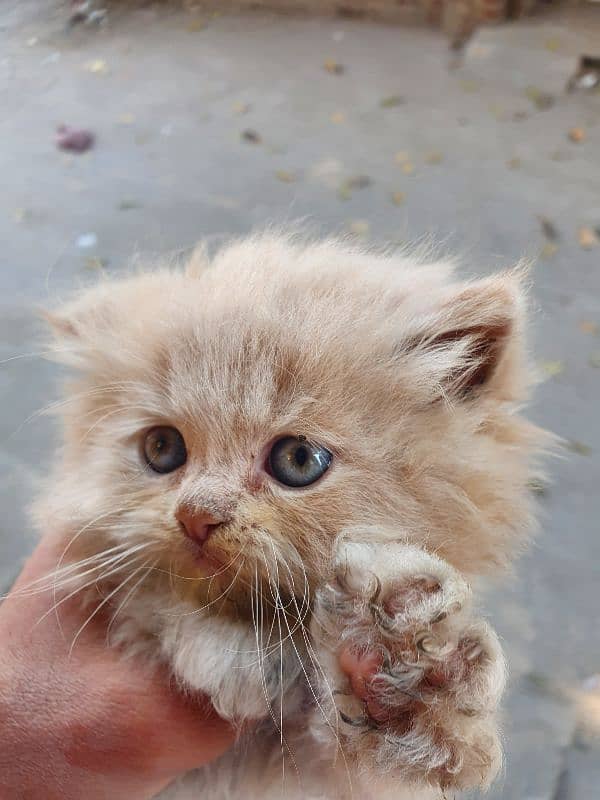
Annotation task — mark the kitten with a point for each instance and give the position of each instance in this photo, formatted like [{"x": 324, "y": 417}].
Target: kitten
[{"x": 281, "y": 469}]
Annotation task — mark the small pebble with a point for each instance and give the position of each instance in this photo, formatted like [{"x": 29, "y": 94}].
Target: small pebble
[
  {"x": 75, "y": 140},
  {"x": 392, "y": 101},
  {"x": 577, "y": 135},
  {"x": 87, "y": 240},
  {"x": 251, "y": 136},
  {"x": 588, "y": 238},
  {"x": 97, "y": 66},
  {"x": 333, "y": 67}
]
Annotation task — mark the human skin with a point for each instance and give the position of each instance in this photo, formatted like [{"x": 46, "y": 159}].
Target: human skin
[{"x": 87, "y": 723}]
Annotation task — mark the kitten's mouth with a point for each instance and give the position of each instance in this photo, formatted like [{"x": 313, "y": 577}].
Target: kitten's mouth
[{"x": 207, "y": 562}]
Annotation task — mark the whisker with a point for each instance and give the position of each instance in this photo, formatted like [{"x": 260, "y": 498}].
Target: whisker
[
  {"x": 103, "y": 603},
  {"x": 211, "y": 602},
  {"x": 91, "y": 582},
  {"x": 128, "y": 595},
  {"x": 318, "y": 667},
  {"x": 47, "y": 581},
  {"x": 202, "y": 577}
]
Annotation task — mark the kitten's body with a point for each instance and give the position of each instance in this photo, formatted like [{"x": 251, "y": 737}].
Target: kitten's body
[{"x": 338, "y": 613}]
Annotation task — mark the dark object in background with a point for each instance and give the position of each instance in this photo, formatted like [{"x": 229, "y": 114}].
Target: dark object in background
[
  {"x": 251, "y": 136},
  {"x": 587, "y": 75},
  {"x": 76, "y": 140},
  {"x": 84, "y": 11}
]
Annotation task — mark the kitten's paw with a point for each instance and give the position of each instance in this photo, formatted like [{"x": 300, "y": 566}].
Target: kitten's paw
[{"x": 417, "y": 678}]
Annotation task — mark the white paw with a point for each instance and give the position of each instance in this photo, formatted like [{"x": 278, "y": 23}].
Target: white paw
[{"x": 418, "y": 678}]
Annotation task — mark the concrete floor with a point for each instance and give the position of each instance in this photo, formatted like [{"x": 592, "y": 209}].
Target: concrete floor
[{"x": 479, "y": 161}]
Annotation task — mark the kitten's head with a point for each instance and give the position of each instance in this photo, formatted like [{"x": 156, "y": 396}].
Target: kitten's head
[{"x": 233, "y": 419}]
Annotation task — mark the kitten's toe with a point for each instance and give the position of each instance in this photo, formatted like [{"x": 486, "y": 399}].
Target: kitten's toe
[{"x": 419, "y": 678}]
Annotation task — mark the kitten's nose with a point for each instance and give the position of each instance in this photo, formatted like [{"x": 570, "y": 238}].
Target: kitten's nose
[{"x": 197, "y": 526}]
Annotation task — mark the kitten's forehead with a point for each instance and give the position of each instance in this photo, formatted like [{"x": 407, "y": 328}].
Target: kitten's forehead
[{"x": 253, "y": 370}]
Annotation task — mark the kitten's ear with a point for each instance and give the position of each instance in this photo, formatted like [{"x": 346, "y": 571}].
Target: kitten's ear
[
  {"x": 471, "y": 341},
  {"x": 90, "y": 322},
  {"x": 87, "y": 312}
]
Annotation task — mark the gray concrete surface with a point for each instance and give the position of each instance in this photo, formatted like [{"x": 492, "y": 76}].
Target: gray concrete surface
[{"x": 170, "y": 167}]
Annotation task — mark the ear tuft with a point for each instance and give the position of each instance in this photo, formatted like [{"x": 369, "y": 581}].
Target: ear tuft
[
  {"x": 61, "y": 326},
  {"x": 485, "y": 348},
  {"x": 473, "y": 333}
]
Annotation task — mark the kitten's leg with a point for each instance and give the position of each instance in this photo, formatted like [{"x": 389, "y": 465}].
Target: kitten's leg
[{"x": 416, "y": 678}]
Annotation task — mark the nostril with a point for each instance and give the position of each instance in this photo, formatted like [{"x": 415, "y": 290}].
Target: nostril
[
  {"x": 205, "y": 531},
  {"x": 198, "y": 527}
]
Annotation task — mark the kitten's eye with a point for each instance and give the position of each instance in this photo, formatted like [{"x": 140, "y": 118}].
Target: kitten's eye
[
  {"x": 295, "y": 462},
  {"x": 164, "y": 449}
]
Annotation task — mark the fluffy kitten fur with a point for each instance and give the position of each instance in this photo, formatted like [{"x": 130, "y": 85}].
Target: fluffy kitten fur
[{"x": 340, "y": 622}]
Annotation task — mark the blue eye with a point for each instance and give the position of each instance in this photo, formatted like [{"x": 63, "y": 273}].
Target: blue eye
[
  {"x": 164, "y": 449},
  {"x": 295, "y": 462}
]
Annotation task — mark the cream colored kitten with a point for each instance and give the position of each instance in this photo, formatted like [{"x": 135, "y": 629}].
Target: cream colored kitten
[{"x": 281, "y": 470}]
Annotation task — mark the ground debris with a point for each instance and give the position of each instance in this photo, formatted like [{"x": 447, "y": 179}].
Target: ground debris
[
  {"x": 391, "y": 101},
  {"x": 338, "y": 117},
  {"x": 84, "y": 12},
  {"x": 75, "y": 140},
  {"x": 577, "y": 135},
  {"x": 251, "y": 136},
  {"x": 514, "y": 163},
  {"x": 285, "y": 176},
  {"x": 86, "y": 241},
  {"x": 195, "y": 24},
  {"x": 589, "y": 327},
  {"x": 549, "y": 250},
  {"x": 398, "y": 198},
  {"x": 552, "y": 43},
  {"x": 21, "y": 215},
  {"x": 540, "y": 99},
  {"x": 359, "y": 227},
  {"x": 358, "y": 182},
  {"x": 548, "y": 228},
  {"x": 552, "y": 368},
  {"x": 97, "y": 66},
  {"x": 587, "y": 237},
  {"x": 129, "y": 205},
  {"x": 334, "y": 67},
  {"x": 434, "y": 157},
  {"x": 351, "y": 184},
  {"x": 587, "y": 75},
  {"x": 241, "y": 108},
  {"x": 578, "y": 447}
]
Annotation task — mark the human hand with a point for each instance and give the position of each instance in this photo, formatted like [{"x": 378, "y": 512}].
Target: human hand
[{"x": 88, "y": 723}]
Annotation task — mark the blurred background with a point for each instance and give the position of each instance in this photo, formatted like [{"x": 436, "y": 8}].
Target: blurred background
[{"x": 132, "y": 130}]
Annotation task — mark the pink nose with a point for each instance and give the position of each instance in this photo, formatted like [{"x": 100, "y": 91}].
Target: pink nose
[{"x": 197, "y": 526}]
